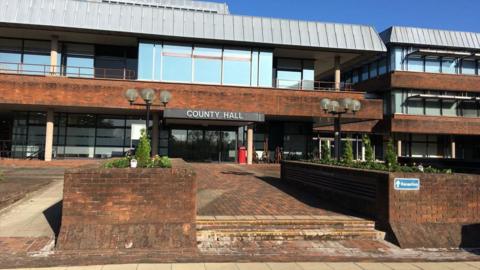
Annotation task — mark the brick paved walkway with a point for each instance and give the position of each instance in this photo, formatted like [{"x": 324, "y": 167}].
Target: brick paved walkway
[{"x": 233, "y": 190}]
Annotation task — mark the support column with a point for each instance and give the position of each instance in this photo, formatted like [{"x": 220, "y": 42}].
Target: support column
[
  {"x": 155, "y": 133},
  {"x": 454, "y": 148},
  {"x": 49, "y": 136},
  {"x": 54, "y": 56},
  {"x": 399, "y": 148},
  {"x": 250, "y": 145},
  {"x": 337, "y": 73}
]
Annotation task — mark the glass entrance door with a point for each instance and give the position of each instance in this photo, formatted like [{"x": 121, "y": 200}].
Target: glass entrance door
[{"x": 209, "y": 145}]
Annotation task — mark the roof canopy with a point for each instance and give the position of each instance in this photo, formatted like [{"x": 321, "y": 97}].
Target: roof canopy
[
  {"x": 168, "y": 22},
  {"x": 431, "y": 37}
]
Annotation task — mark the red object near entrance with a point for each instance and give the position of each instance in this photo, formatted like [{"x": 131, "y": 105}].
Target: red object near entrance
[{"x": 242, "y": 155}]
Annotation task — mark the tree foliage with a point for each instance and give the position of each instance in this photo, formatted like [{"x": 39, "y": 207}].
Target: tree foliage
[
  {"x": 142, "y": 153},
  {"x": 367, "y": 144}
]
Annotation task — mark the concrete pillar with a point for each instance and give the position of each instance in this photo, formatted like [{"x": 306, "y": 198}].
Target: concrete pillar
[
  {"x": 454, "y": 148},
  {"x": 250, "y": 145},
  {"x": 49, "y": 136},
  {"x": 337, "y": 73},
  {"x": 399, "y": 148},
  {"x": 155, "y": 133},
  {"x": 54, "y": 56}
]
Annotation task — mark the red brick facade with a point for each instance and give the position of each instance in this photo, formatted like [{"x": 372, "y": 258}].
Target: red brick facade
[
  {"x": 445, "y": 212},
  {"x": 87, "y": 95},
  {"x": 129, "y": 209}
]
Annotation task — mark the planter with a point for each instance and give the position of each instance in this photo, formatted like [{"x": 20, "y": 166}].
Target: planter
[
  {"x": 124, "y": 209},
  {"x": 444, "y": 212}
]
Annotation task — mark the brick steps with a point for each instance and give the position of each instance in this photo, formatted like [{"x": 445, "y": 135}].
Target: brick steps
[{"x": 221, "y": 230}]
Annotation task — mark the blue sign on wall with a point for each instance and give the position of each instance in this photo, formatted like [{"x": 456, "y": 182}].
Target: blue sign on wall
[{"x": 406, "y": 184}]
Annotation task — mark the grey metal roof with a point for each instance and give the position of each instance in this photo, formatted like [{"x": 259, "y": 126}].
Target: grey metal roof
[
  {"x": 220, "y": 8},
  {"x": 431, "y": 37},
  {"x": 137, "y": 19}
]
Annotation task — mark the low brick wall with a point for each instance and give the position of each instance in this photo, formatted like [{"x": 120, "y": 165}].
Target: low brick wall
[
  {"x": 129, "y": 209},
  {"x": 445, "y": 212}
]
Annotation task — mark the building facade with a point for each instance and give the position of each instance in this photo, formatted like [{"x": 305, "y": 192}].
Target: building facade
[{"x": 235, "y": 81}]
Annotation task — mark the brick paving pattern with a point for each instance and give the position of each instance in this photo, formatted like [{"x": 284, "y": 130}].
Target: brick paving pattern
[{"x": 233, "y": 190}]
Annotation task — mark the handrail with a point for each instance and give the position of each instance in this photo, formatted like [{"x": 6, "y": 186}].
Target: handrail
[
  {"x": 67, "y": 71},
  {"x": 312, "y": 85}
]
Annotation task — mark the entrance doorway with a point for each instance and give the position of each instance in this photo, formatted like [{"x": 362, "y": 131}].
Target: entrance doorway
[{"x": 204, "y": 144}]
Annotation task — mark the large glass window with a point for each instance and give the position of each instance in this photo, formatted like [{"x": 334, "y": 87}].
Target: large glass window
[
  {"x": 236, "y": 66},
  {"x": 449, "y": 106},
  {"x": 145, "y": 60},
  {"x": 373, "y": 70},
  {"x": 177, "y": 63},
  {"x": 265, "y": 69},
  {"x": 415, "y": 63},
  {"x": 469, "y": 108},
  {"x": 79, "y": 60},
  {"x": 449, "y": 65},
  {"x": 382, "y": 66},
  {"x": 36, "y": 57},
  {"x": 469, "y": 66},
  {"x": 432, "y": 64},
  {"x": 308, "y": 75},
  {"x": 10, "y": 52},
  {"x": 207, "y": 65},
  {"x": 415, "y": 104}
]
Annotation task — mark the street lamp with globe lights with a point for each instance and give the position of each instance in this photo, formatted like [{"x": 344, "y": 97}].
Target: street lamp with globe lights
[
  {"x": 148, "y": 96},
  {"x": 337, "y": 109}
]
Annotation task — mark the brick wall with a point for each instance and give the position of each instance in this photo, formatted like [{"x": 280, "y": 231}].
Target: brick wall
[
  {"x": 445, "y": 212},
  {"x": 129, "y": 208},
  {"x": 108, "y": 95}
]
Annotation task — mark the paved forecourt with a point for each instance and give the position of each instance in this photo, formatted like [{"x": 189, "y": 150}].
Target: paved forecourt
[{"x": 280, "y": 266}]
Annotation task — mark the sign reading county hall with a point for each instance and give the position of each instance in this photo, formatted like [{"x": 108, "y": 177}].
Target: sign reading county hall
[
  {"x": 406, "y": 184},
  {"x": 213, "y": 115}
]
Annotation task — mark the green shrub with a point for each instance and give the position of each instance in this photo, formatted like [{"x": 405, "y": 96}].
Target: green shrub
[
  {"x": 142, "y": 153},
  {"x": 369, "y": 155},
  {"x": 118, "y": 163},
  {"x": 347, "y": 157},
  {"x": 326, "y": 155},
  {"x": 162, "y": 162},
  {"x": 391, "y": 155}
]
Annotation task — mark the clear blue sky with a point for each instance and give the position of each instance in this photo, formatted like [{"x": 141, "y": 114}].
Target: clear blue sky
[{"x": 461, "y": 15}]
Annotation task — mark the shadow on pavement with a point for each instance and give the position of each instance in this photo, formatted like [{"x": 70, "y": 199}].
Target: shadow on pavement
[
  {"x": 307, "y": 196},
  {"x": 53, "y": 215}
]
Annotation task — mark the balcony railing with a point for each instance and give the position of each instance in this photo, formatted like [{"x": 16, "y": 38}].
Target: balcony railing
[
  {"x": 311, "y": 85},
  {"x": 67, "y": 71},
  {"x": 126, "y": 74}
]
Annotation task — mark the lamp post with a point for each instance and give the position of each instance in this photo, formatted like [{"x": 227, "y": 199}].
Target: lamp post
[
  {"x": 148, "y": 96},
  {"x": 337, "y": 109}
]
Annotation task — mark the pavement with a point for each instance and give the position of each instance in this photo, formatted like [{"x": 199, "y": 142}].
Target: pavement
[{"x": 280, "y": 266}]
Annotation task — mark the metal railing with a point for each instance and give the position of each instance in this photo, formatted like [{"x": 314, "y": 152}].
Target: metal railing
[
  {"x": 67, "y": 71},
  {"x": 311, "y": 85}
]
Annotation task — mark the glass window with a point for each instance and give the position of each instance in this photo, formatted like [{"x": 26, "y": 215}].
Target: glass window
[
  {"x": 236, "y": 66},
  {"x": 79, "y": 60},
  {"x": 289, "y": 79},
  {"x": 415, "y": 63},
  {"x": 207, "y": 65},
  {"x": 10, "y": 52},
  {"x": 355, "y": 76},
  {"x": 449, "y": 107},
  {"x": 396, "y": 59},
  {"x": 469, "y": 108},
  {"x": 432, "y": 64},
  {"x": 449, "y": 65},
  {"x": 432, "y": 107},
  {"x": 308, "y": 75},
  {"x": 365, "y": 71},
  {"x": 398, "y": 100},
  {"x": 415, "y": 104},
  {"x": 373, "y": 70},
  {"x": 469, "y": 67},
  {"x": 265, "y": 69},
  {"x": 36, "y": 57},
  {"x": 382, "y": 66},
  {"x": 255, "y": 67},
  {"x": 177, "y": 63},
  {"x": 145, "y": 61}
]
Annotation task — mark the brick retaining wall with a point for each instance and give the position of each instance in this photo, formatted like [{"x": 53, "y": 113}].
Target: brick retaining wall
[
  {"x": 129, "y": 208},
  {"x": 445, "y": 212}
]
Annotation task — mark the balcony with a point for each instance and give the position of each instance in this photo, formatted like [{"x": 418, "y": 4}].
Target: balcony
[{"x": 130, "y": 75}]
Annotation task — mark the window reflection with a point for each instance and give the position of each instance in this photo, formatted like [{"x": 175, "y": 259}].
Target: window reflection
[
  {"x": 177, "y": 63},
  {"x": 208, "y": 65},
  {"x": 236, "y": 66}
]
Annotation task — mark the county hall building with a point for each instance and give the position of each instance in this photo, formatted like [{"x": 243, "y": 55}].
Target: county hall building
[{"x": 234, "y": 81}]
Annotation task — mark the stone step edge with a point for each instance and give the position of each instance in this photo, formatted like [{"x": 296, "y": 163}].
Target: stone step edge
[{"x": 283, "y": 219}]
